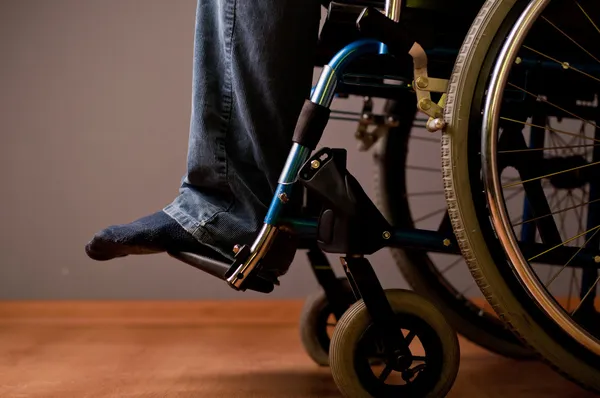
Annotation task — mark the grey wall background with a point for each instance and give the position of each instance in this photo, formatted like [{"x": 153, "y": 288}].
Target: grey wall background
[{"x": 94, "y": 104}]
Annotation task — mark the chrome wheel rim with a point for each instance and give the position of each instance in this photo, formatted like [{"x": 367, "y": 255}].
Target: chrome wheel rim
[{"x": 498, "y": 212}]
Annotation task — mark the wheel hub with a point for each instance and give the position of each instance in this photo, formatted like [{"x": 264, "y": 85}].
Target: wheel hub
[{"x": 402, "y": 362}]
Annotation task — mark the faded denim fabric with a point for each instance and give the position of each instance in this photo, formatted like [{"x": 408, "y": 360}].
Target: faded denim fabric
[{"x": 253, "y": 63}]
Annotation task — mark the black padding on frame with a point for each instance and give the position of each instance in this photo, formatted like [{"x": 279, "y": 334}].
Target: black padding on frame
[{"x": 311, "y": 124}]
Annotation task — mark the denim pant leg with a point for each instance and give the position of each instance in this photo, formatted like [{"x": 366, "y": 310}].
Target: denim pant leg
[{"x": 253, "y": 63}]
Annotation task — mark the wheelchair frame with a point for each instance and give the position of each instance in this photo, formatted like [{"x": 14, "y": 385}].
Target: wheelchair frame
[{"x": 381, "y": 27}]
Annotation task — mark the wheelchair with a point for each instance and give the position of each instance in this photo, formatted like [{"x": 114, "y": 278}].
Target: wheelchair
[
  {"x": 515, "y": 100},
  {"x": 394, "y": 137}
]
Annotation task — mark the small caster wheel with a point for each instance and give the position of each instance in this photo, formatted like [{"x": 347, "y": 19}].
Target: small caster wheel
[
  {"x": 317, "y": 322},
  {"x": 429, "y": 371}
]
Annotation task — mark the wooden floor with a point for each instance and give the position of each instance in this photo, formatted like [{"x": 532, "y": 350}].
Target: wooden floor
[{"x": 205, "y": 349}]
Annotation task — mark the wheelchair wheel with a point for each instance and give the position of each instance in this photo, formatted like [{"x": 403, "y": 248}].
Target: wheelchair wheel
[
  {"x": 429, "y": 371},
  {"x": 317, "y": 323},
  {"x": 410, "y": 194},
  {"x": 523, "y": 116}
]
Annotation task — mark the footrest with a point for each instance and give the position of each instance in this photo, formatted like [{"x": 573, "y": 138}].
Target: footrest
[
  {"x": 206, "y": 264},
  {"x": 219, "y": 269}
]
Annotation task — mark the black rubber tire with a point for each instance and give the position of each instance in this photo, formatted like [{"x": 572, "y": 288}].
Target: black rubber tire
[
  {"x": 313, "y": 324},
  {"x": 468, "y": 207},
  {"x": 417, "y": 267},
  {"x": 355, "y": 323}
]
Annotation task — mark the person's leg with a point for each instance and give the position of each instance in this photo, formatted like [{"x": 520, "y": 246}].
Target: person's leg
[{"x": 253, "y": 63}]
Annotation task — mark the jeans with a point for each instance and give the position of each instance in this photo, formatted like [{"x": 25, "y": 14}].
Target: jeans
[{"x": 252, "y": 70}]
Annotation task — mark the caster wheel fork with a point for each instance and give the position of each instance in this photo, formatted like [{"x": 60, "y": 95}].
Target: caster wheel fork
[{"x": 324, "y": 308}]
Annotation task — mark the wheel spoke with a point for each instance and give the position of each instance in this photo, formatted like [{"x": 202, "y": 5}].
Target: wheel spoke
[
  {"x": 563, "y": 243},
  {"x": 569, "y": 37},
  {"x": 565, "y": 65},
  {"x": 586, "y": 295},
  {"x": 556, "y": 212},
  {"x": 550, "y": 148},
  {"x": 513, "y": 179},
  {"x": 548, "y": 128},
  {"x": 551, "y": 174},
  {"x": 587, "y": 16},
  {"x": 386, "y": 372},
  {"x": 542, "y": 99},
  {"x": 410, "y": 337},
  {"x": 570, "y": 259}
]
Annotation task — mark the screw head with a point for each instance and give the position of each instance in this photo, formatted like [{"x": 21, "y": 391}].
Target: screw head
[
  {"x": 236, "y": 249},
  {"x": 315, "y": 164},
  {"x": 422, "y": 82},
  {"x": 597, "y": 259},
  {"x": 447, "y": 242},
  {"x": 283, "y": 197},
  {"x": 386, "y": 235},
  {"x": 425, "y": 104}
]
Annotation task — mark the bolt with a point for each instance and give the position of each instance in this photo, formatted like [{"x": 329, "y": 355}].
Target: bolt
[
  {"x": 425, "y": 104},
  {"x": 236, "y": 249},
  {"x": 518, "y": 60},
  {"x": 447, "y": 242},
  {"x": 597, "y": 259},
  {"x": 283, "y": 197},
  {"x": 386, "y": 235},
  {"x": 436, "y": 124},
  {"x": 422, "y": 82},
  {"x": 315, "y": 164}
]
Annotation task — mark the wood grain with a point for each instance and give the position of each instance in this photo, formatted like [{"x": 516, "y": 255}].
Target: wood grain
[{"x": 201, "y": 349}]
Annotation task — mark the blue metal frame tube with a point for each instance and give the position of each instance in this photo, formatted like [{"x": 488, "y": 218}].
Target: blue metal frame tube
[
  {"x": 435, "y": 241},
  {"x": 322, "y": 95}
]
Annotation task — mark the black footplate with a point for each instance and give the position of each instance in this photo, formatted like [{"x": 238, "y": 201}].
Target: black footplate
[
  {"x": 349, "y": 223},
  {"x": 219, "y": 269}
]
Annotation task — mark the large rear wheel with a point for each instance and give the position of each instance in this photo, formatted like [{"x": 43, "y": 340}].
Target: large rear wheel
[{"x": 524, "y": 68}]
